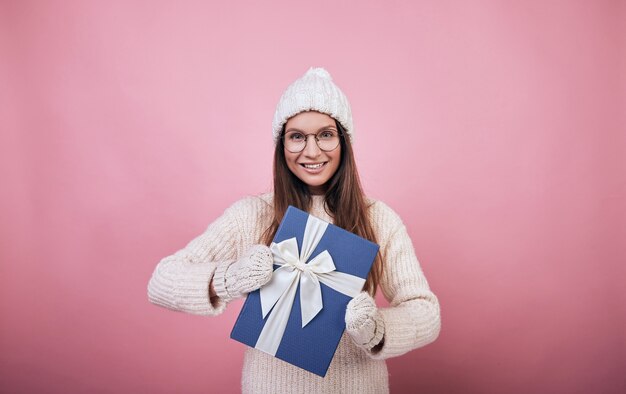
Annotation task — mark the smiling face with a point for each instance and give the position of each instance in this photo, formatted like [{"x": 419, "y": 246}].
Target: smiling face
[{"x": 312, "y": 166}]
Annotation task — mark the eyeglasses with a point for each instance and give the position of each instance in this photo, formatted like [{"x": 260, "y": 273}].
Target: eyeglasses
[{"x": 295, "y": 141}]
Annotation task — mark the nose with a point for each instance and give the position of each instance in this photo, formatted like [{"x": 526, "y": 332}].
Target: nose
[{"x": 311, "y": 149}]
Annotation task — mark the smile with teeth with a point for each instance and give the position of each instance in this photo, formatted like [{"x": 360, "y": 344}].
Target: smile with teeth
[{"x": 312, "y": 166}]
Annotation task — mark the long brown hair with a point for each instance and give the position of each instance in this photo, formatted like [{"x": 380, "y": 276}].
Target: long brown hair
[{"x": 344, "y": 199}]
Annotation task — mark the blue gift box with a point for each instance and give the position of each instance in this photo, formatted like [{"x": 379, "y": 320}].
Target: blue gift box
[{"x": 328, "y": 266}]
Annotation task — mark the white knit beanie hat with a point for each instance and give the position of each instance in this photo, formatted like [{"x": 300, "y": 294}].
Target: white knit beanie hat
[{"x": 314, "y": 91}]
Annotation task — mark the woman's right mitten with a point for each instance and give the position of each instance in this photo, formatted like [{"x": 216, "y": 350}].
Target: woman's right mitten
[{"x": 236, "y": 279}]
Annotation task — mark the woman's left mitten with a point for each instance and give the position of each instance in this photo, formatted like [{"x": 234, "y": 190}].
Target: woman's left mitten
[{"x": 364, "y": 323}]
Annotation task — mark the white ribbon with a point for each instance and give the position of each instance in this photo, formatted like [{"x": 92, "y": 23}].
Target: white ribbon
[{"x": 278, "y": 295}]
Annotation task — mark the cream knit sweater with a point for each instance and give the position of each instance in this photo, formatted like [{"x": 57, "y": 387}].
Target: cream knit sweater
[{"x": 181, "y": 282}]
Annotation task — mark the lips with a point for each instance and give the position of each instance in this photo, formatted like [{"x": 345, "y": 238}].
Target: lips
[{"x": 313, "y": 168}]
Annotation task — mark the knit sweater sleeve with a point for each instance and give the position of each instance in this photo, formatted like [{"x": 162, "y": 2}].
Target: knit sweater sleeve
[
  {"x": 413, "y": 318},
  {"x": 181, "y": 281}
]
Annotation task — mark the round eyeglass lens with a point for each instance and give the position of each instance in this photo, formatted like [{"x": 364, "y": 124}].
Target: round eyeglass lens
[{"x": 327, "y": 140}]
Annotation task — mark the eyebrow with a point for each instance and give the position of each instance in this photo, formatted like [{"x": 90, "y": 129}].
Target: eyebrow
[{"x": 329, "y": 126}]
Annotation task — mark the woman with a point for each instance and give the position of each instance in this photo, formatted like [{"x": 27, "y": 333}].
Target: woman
[{"x": 314, "y": 170}]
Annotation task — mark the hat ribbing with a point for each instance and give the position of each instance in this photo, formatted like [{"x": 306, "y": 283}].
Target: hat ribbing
[{"x": 314, "y": 91}]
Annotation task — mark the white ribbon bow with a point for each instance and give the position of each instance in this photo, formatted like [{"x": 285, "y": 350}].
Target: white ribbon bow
[{"x": 280, "y": 292}]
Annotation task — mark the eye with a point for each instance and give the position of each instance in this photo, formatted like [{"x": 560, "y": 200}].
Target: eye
[
  {"x": 326, "y": 134},
  {"x": 295, "y": 137}
]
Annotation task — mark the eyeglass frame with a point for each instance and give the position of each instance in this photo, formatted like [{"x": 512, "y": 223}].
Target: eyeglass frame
[{"x": 317, "y": 141}]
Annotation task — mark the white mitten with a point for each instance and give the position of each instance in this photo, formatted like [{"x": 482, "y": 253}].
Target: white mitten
[
  {"x": 250, "y": 272},
  {"x": 364, "y": 323}
]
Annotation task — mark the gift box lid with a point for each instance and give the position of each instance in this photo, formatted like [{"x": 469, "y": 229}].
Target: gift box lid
[{"x": 313, "y": 346}]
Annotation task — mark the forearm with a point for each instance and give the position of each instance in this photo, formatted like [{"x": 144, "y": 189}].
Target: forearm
[
  {"x": 183, "y": 286},
  {"x": 409, "y": 325}
]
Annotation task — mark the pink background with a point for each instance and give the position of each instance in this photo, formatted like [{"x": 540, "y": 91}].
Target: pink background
[{"x": 495, "y": 129}]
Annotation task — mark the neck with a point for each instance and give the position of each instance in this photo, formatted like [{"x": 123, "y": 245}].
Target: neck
[{"x": 318, "y": 190}]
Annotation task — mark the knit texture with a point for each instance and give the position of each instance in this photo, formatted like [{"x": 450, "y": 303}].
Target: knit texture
[
  {"x": 181, "y": 282},
  {"x": 314, "y": 91},
  {"x": 364, "y": 323},
  {"x": 250, "y": 272}
]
